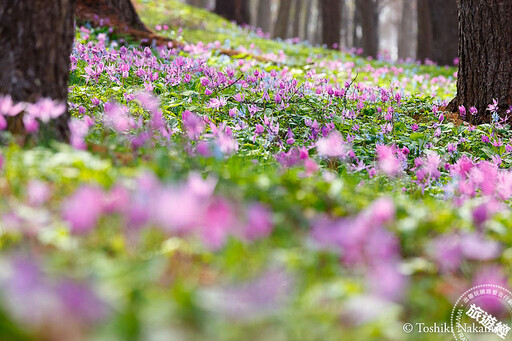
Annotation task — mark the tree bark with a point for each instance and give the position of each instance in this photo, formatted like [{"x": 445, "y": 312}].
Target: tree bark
[
  {"x": 443, "y": 14},
  {"x": 485, "y": 67},
  {"x": 36, "y": 38},
  {"x": 234, "y": 10},
  {"x": 283, "y": 14},
  {"x": 308, "y": 20},
  {"x": 369, "y": 12},
  {"x": 198, "y": 3},
  {"x": 297, "y": 10},
  {"x": 116, "y": 13},
  {"x": 425, "y": 38},
  {"x": 331, "y": 22},
  {"x": 406, "y": 31},
  {"x": 356, "y": 25},
  {"x": 264, "y": 15},
  {"x": 120, "y": 15}
]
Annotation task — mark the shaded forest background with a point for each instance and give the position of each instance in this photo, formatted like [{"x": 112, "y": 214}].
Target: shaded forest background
[{"x": 423, "y": 30}]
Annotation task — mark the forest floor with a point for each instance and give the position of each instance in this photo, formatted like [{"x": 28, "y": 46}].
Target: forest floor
[{"x": 282, "y": 192}]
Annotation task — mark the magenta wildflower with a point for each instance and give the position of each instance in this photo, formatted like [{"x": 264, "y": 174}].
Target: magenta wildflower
[
  {"x": 38, "y": 192},
  {"x": 83, "y": 209},
  {"x": 46, "y": 109},
  {"x": 333, "y": 146},
  {"x": 8, "y": 108},
  {"x": 387, "y": 160},
  {"x": 193, "y": 124}
]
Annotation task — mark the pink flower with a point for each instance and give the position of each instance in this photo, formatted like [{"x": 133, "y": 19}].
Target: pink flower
[
  {"x": 8, "y": 108},
  {"x": 3, "y": 123},
  {"x": 78, "y": 129},
  {"x": 117, "y": 118},
  {"x": 217, "y": 102},
  {"x": 175, "y": 209},
  {"x": 46, "y": 109},
  {"x": 83, "y": 209},
  {"x": 218, "y": 220},
  {"x": 446, "y": 251},
  {"x": 382, "y": 211},
  {"x": 387, "y": 161},
  {"x": 38, "y": 192},
  {"x": 475, "y": 246},
  {"x": 431, "y": 165},
  {"x": 193, "y": 124},
  {"x": 462, "y": 111},
  {"x": 259, "y": 222},
  {"x": 333, "y": 146},
  {"x": 148, "y": 101}
]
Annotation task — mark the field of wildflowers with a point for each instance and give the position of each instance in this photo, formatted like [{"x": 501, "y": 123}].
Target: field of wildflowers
[{"x": 285, "y": 193}]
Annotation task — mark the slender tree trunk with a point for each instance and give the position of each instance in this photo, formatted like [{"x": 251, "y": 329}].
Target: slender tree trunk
[
  {"x": 331, "y": 22},
  {"x": 344, "y": 23},
  {"x": 283, "y": 14},
  {"x": 120, "y": 15},
  {"x": 264, "y": 17},
  {"x": 117, "y": 13},
  {"x": 425, "y": 32},
  {"x": 35, "y": 43},
  {"x": 307, "y": 20},
  {"x": 443, "y": 14},
  {"x": 485, "y": 67},
  {"x": 368, "y": 10},
  {"x": 235, "y": 10},
  {"x": 356, "y": 28},
  {"x": 406, "y": 31},
  {"x": 198, "y": 3},
  {"x": 296, "y": 18}
]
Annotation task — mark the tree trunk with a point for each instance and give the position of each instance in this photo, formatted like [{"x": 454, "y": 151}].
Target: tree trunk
[
  {"x": 297, "y": 10},
  {"x": 120, "y": 15},
  {"x": 264, "y": 17},
  {"x": 344, "y": 24},
  {"x": 485, "y": 67},
  {"x": 198, "y": 3},
  {"x": 406, "y": 31},
  {"x": 116, "y": 13},
  {"x": 36, "y": 38},
  {"x": 443, "y": 14},
  {"x": 281, "y": 27},
  {"x": 307, "y": 21},
  {"x": 425, "y": 38},
  {"x": 331, "y": 22},
  {"x": 369, "y": 12},
  {"x": 234, "y": 10},
  {"x": 356, "y": 25}
]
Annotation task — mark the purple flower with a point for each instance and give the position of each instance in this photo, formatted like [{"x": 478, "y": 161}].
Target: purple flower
[
  {"x": 46, "y": 109},
  {"x": 38, "y": 192},
  {"x": 446, "y": 251},
  {"x": 8, "y": 108},
  {"x": 475, "y": 246},
  {"x": 193, "y": 124},
  {"x": 259, "y": 222},
  {"x": 217, "y": 102},
  {"x": 462, "y": 111},
  {"x": 387, "y": 161},
  {"x": 83, "y": 209},
  {"x": 333, "y": 146},
  {"x": 3, "y": 123}
]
